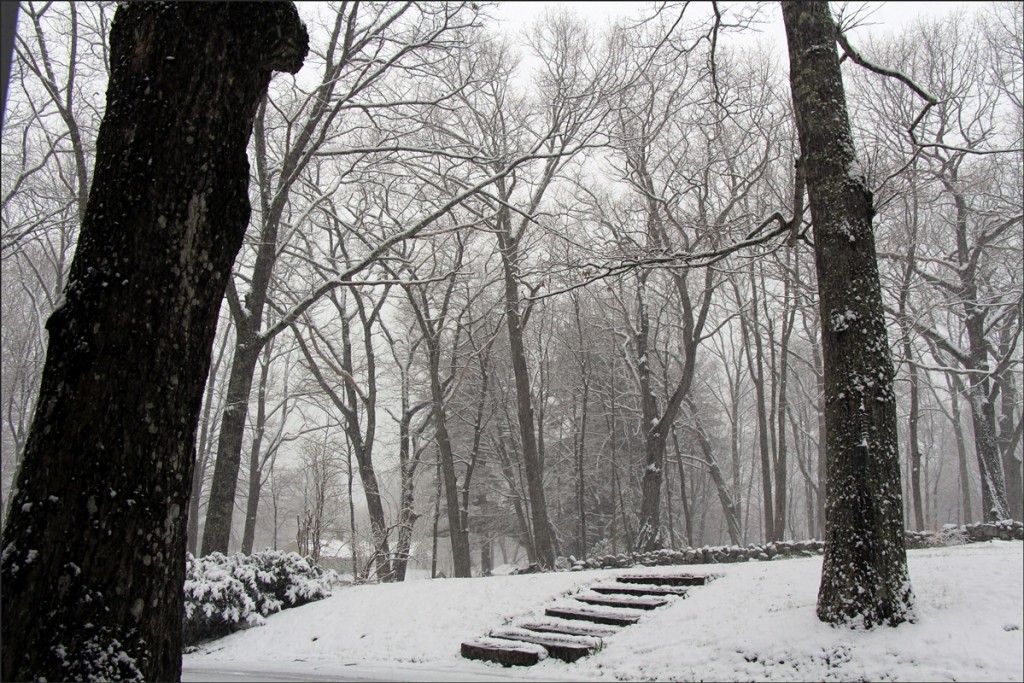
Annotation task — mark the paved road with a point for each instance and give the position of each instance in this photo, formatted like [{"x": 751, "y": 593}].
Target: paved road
[{"x": 196, "y": 670}]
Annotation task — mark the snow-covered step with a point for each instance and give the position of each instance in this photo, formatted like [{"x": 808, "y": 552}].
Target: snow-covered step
[
  {"x": 638, "y": 589},
  {"x": 564, "y": 647},
  {"x": 572, "y": 628},
  {"x": 611, "y": 615},
  {"x": 664, "y": 580},
  {"x": 644, "y": 602},
  {"x": 503, "y": 651}
]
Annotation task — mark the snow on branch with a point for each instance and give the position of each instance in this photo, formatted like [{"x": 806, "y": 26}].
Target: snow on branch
[{"x": 860, "y": 60}]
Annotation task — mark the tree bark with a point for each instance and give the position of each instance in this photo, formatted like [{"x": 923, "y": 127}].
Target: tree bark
[
  {"x": 864, "y": 577},
  {"x": 93, "y": 561}
]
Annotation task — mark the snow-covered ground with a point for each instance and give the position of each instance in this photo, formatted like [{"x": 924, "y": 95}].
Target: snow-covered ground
[{"x": 755, "y": 622}]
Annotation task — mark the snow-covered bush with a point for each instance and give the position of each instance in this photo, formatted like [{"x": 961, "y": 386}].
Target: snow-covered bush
[
  {"x": 950, "y": 534},
  {"x": 224, "y": 594},
  {"x": 292, "y": 579},
  {"x": 216, "y": 602}
]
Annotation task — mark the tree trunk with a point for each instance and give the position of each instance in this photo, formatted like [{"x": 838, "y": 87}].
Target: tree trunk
[
  {"x": 580, "y": 436},
  {"x": 908, "y": 353},
  {"x": 648, "y": 534},
  {"x": 729, "y": 509},
  {"x": 462, "y": 560},
  {"x": 437, "y": 519},
  {"x": 219, "y": 510},
  {"x": 1009, "y": 440},
  {"x": 252, "y": 501},
  {"x": 408, "y": 461},
  {"x": 96, "y": 537},
  {"x": 755, "y": 362},
  {"x": 819, "y": 405},
  {"x": 864, "y": 578},
  {"x": 525, "y": 537},
  {"x": 486, "y": 555},
  {"x": 359, "y": 430},
  {"x": 781, "y": 466},
  {"x": 1010, "y": 427},
  {"x": 542, "y": 544},
  {"x": 202, "y": 457},
  {"x": 353, "y": 531},
  {"x": 961, "y": 452},
  {"x": 687, "y": 517},
  {"x": 983, "y": 411}
]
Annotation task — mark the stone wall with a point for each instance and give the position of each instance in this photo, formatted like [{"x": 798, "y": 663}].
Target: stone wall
[{"x": 1006, "y": 530}]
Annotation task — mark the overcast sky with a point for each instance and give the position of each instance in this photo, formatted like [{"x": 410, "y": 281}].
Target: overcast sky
[{"x": 885, "y": 17}]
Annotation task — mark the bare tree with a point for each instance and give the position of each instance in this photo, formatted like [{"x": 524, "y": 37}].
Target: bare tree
[
  {"x": 960, "y": 285},
  {"x": 48, "y": 150},
  {"x": 366, "y": 45}
]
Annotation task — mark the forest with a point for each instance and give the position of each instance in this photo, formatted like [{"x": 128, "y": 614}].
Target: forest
[{"x": 506, "y": 299}]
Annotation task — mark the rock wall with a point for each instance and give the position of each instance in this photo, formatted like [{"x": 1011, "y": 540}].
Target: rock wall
[{"x": 1006, "y": 530}]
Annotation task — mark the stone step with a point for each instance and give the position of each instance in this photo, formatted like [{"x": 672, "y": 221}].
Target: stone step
[
  {"x": 664, "y": 580},
  {"x": 611, "y": 616},
  {"x": 564, "y": 647},
  {"x": 632, "y": 601},
  {"x": 638, "y": 589},
  {"x": 503, "y": 651},
  {"x": 571, "y": 628}
]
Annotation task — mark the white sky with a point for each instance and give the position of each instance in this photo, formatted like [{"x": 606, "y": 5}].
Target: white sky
[{"x": 884, "y": 16}]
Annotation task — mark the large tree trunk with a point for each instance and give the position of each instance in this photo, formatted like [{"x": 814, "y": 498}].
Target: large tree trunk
[
  {"x": 864, "y": 578},
  {"x": 94, "y": 548}
]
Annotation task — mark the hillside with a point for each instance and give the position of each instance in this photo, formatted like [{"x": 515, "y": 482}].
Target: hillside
[{"x": 754, "y": 622}]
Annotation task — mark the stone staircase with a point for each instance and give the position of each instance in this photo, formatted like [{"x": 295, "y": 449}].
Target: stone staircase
[{"x": 577, "y": 628}]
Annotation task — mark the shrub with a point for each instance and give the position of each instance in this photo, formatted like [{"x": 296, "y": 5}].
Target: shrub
[{"x": 225, "y": 594}]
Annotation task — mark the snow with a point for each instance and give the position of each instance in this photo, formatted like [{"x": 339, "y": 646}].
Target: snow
[{"x": 756, "y": 621}]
